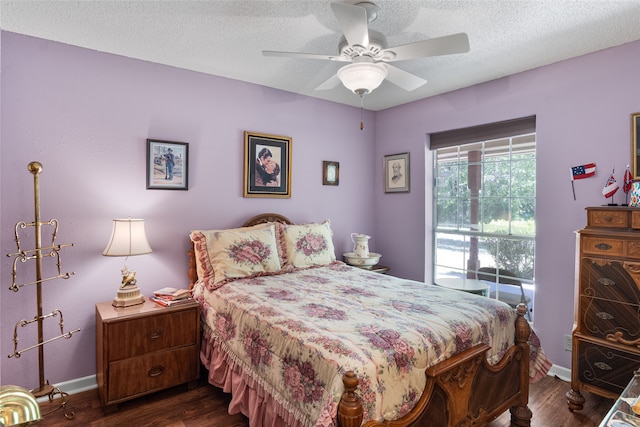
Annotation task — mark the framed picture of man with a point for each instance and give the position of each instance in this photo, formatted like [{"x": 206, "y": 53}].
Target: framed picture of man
[
  {"x": 396, "y": 173},
  {"x": 267, "y": 165},
  {"x": 167, "y": 165}
]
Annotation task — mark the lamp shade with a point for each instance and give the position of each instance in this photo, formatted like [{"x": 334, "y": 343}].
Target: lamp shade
[
  {"x": 362, "y": 77},
  {"x": 127, "y": 238}
]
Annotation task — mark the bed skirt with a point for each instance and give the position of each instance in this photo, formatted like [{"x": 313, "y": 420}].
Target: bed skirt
[{"x": 248, "y": 396}]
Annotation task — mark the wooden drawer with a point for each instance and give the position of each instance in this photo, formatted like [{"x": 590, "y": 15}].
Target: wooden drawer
[
  {"x": 635, "y": 219},
  {"x": 604, "y": 246},
  {"x": 608, "y": 218},
  {"x": 604, "y": 318},
  {"x": 151, "y": 372},
  {"x": 144, "y": 335},
  {"x": 606, "y": 368},
  {"x": 610, "y": 279}
]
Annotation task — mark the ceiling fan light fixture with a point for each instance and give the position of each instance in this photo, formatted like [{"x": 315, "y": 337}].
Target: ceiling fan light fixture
[{"x": 362, "y": 77}]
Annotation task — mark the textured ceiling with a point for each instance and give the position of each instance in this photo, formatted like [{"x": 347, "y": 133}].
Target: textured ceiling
[{"x": 225, "y": 38}]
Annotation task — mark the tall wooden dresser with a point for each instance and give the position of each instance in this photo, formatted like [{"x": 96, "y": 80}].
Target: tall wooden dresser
[{"x": 606, "y": 334}]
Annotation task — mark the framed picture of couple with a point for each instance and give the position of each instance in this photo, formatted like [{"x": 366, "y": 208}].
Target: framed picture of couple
[
  {"x": 396, "y": 173},
  {"x": 167, "y": 165},
  {"x": 267, "y": 165}
]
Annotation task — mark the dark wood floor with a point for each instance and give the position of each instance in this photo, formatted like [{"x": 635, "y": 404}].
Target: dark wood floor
[{"x": 207, "y": 406}]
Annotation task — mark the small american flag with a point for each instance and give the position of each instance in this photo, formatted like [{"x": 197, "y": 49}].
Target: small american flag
[{"x": 583, "y": 171}]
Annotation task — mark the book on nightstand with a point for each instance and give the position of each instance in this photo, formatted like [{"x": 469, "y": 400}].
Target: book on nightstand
[{"x": 171, "y": 296}]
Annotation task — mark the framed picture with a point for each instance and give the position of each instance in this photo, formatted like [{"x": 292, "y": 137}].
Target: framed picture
[
  {"x": 167, "y": 165},
  {"x": 635, "y": 150},
  {"x": 330, "y": 173},
  {"x": 396, "y": 173},
  {"x": 267, "y": 165}
]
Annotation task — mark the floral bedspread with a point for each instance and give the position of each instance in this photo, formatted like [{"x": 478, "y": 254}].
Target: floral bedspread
[{"x": 295, "y": 334}]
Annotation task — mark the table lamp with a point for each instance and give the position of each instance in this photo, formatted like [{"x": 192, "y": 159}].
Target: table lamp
[{"x": 127, "y": 239}]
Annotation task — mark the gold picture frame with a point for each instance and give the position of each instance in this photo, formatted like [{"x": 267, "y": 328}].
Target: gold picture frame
[
  {"x": 330, "y": 173},
  {"x": 267, "y": 165},
  {"x": 635, "y": 150}
]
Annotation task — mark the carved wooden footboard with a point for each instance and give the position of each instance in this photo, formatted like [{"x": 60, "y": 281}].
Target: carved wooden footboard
[{"x": 461, "y": 391}]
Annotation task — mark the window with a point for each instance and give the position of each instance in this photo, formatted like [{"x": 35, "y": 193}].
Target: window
[{"x": 484, "y": 211}]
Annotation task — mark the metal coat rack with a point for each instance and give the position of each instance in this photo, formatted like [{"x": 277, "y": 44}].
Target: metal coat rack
[{"x": 37, "y": 254}]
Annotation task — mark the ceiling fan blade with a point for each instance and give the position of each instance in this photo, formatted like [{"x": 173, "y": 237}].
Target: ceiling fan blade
[
  {"x": 353, "y": 21},
  {"x": 404, "y": 79},
  {"x": 305, "y": 55},
  {"x": 446, "y": 45},
  {"x": 330, "y": 83}
]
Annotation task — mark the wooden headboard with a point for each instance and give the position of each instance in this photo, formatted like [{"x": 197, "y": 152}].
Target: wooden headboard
[{"x": 258, "y": 219}]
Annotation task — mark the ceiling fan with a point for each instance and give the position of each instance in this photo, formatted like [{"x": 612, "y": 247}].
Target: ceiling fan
[{"x": 369, "y": 57}]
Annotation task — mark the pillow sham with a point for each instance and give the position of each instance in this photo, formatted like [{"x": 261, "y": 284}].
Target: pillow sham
[
  {"x": 309, "y": 245},
  {"x": 224, "y": 255}
]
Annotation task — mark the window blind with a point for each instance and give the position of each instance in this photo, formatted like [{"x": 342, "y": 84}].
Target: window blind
[{"x": 484, "y": 132}]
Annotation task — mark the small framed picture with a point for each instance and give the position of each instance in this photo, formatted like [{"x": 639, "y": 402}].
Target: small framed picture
[
  {"x": 396, "y": 173},
  {"x": 267, "y": 165},
  {"x": 167, "y": 165},
  {"x": 330, "y": 173}
]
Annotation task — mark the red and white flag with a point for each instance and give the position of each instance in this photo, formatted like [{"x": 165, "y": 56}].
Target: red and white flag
[
  {"x": 610, "y": 187},
  {"x": 628, "y": 180},
  {"x": 583, "y": 171}
]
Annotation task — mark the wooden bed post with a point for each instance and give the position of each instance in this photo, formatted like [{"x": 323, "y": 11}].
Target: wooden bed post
[
  {"x": 350, "y": 411},
  {"x": 521, "y": 414}
]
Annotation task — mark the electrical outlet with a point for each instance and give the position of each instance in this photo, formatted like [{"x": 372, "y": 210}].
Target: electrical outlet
[{"x": 567, "y": 342}]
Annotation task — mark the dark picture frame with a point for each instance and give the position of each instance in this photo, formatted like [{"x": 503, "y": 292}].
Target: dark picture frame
[
  {"x": 635, "y": 150},
  {"x": 167, "y": 165},
  {"x": 396, "y": 173},
  {"x": 267, "y": 165},
  {"x": 330, "y": 173}
]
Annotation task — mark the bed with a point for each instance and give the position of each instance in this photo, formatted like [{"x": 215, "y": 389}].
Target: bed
[{"x": 301, "y": 339}]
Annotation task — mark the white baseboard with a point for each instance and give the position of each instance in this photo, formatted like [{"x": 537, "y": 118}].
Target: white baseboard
[
  {"x": 79, "y": 385},
  {"x": 74, "y": 386},
  {"x": 563, "y": 373}
]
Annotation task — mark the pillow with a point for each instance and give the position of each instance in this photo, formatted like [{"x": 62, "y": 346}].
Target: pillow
[
  {"x": 224, "y": 255},
  {"x": 309, "y": 245}
]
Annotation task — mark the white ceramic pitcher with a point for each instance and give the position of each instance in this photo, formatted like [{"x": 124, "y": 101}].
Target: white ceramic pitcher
[{"x": 360, "y": 245}]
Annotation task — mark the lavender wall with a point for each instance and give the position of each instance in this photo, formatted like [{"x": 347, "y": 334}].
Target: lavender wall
[
  {"x": 86, "y": 116},
  {"x": 583, "y": 109}
]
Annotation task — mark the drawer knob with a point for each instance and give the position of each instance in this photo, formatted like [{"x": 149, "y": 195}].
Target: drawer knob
[
  {"x": 603, "y": 366},
  {"x": 604, "y": 315},
  {"x": 603, "y": 246},
  {"x": 608, "y": 218},
  {"x": 155, "y": 371},
  {"x": 604, "y": 281},
  {"x": 155, "y": 334}
]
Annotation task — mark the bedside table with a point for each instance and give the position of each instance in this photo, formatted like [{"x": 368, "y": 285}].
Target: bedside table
[
  {"x": 383, "y": 269},
  {"x": 145, "y": 348}
]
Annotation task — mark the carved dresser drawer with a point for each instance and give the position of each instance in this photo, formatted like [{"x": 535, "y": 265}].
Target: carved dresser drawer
[
  {"x": 608, "y": 218},
  {"x": 605, "y": 368},
  {"x": 606, "y": 327},
  {"x": 603, "y": 246},
  {"x": 145, "y": 348}
]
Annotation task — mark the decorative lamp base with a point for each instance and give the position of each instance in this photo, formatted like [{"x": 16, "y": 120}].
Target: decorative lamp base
[{"x": 128, "y": 296}]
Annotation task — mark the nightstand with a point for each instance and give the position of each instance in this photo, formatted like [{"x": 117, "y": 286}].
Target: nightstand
[
  {"x": 145, "y": 348},
  {"x": 383, "y": 269}
]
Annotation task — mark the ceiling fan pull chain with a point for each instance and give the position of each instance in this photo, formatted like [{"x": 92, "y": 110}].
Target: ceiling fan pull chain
[{"x": 361, "y": 112}]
